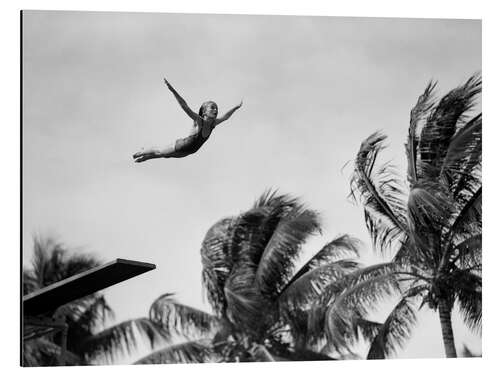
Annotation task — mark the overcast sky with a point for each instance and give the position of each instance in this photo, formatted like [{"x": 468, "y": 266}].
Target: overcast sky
[{"x": 312, "y": 87}]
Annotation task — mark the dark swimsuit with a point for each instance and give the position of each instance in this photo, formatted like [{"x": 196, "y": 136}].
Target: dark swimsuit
[{"x": 191, "y": 143}]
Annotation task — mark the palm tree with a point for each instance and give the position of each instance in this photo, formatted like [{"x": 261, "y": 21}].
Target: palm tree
[
  {"x": 467, "y": 353},
  {"x": 430, "y": 225},
  {"x": 52, "y": 262},
  {"x": 263, "y": 306}
]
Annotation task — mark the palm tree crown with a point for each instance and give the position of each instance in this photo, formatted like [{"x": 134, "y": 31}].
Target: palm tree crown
[
  {"x": 431, "y": 225},
  {"x": 263, "y": 306}
]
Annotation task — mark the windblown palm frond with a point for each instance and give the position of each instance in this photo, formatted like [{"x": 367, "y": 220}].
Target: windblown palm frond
[
  {"x": 380, "y": 193},
  {"x": 261, "y": 354},
  {"x": 52, "y": 261},
  {"x": 44, "y": 352},
  {"x": 359, "y": 299},
  {"x": 395, "y": 331},
  {"x": 180, "y": 319},
  {"x": 217, "y": 262},
  {"x": 467, "y": 353},
  {"x": 273, "y": 198},
  {"x": 469, "y": 218},
  {"x": 247, "y": 307},
  {"x": 352, "y": 298},
  {"x": 282, "y": 250},
  {"x": 342, "y": 246},
  {"x": 85, "y": 315},
  {"x": 429, "y": 208},
  {"x": 198, "y": 351},
  {"x": 418, "y": 113},
  {"x": 465, "y": 143},
  {"x": 232, "y": 249},
  {"x": 468, "y": 253},
  {"x": 96, "y": 313},
  {"x": 442, "y": 124},
  {"x": 469, "y": 296},
  {"x": 122, "y": 338},
  {"x": 310, "y": 285}
]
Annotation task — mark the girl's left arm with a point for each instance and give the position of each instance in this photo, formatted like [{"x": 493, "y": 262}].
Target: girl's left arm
[{"x": 228, "y": 114}]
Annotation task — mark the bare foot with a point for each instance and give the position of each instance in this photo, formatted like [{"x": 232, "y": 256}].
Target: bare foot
[
  {"x": 141, "y": 158},
  {"x": 143, "y": 155},
  {"x": 138, "y": 153}
]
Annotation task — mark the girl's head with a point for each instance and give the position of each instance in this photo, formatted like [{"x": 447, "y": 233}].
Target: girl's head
[{"x": 208, "y": 109}]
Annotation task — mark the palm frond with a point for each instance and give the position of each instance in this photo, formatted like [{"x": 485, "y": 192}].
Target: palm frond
[
  {"x": 466, "y": 142},
  {"x": 405, "y": 254},
  {"x": 442, "y": 124},
  {"x": 429, "y": 209},
  {"x": 30, "y": 282},
  {"x": 261, "y": 354},
  {"x": 418, "y": 113},
  {"x": 468, "y": 253},
  {"x": 94, "y": 307},
  {"x": 365, "y": 328},
  {"x": 348, "y": 299},
  {"x": 395, "y": 330},
  {"x": 428, "y": 206},
  {"x": 40, "y": 260},
  {"x": 272, "y": 198},
  {"x": 469, "y": 219},
  {"x": 122, "y": 338},
  {"x": 334, "y": 289},
  {"x": 246, "y": 306},
  {"x": 188, "y": 352},
  {"x": 468, "y": 179},
  {"x": 312, "y": 284},
  {"x": 282, "y": 250},
  {"x": 217, "y": 262},
  {"x": 342, "y": 246},
  {"x": 43, "y": 352},
  {"x": 304, "y": 355},
  {"x": 380, "y": 193},
  {"x": 53, "y": 261},
  {"x": 176, "y": 318},
  {"x": 467, "y": 353},
  {"x": 371, "y": 286},
  {"x": 468, "y": 287},
  {"x": 95, "y": 313},
  {"x": 252, "y": 231}
]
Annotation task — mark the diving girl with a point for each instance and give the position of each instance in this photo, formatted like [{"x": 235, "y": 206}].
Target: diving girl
[{"x": 204, "y": 123}]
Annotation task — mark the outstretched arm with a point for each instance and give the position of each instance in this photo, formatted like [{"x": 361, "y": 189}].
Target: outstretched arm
[
  {"x": 182, "y": 102},
  {"x": 228, "y": 114}
]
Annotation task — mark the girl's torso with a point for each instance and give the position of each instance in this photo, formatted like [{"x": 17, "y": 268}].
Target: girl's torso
[
  {"x": 199, "y": 135},
  {"x": 203, "y": 127}
]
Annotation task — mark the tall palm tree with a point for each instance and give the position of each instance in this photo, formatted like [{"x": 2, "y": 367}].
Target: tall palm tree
[
  {"x": 262, "y": 302},
  {"x": 430, "y": 225},
  {"x": 52, "y": 262}
]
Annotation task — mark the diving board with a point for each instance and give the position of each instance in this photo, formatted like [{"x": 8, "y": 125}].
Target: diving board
[{"x": 83, "y": 284}]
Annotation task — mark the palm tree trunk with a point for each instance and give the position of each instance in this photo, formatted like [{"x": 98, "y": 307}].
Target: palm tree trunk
[{"x": 446, "y": 329}]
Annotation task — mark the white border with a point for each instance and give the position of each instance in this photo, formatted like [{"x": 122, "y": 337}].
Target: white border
[{"x": 485, "y": 10}]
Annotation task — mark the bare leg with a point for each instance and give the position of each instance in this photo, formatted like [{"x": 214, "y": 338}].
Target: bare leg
[{"x": 155, "y": 153}]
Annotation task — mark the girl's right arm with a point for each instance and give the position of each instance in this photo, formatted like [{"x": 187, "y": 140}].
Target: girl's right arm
[{"x": 182, "y": 102}]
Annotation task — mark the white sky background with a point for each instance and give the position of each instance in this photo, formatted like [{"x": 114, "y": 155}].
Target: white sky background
[{"x": 312, "y": 90}]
